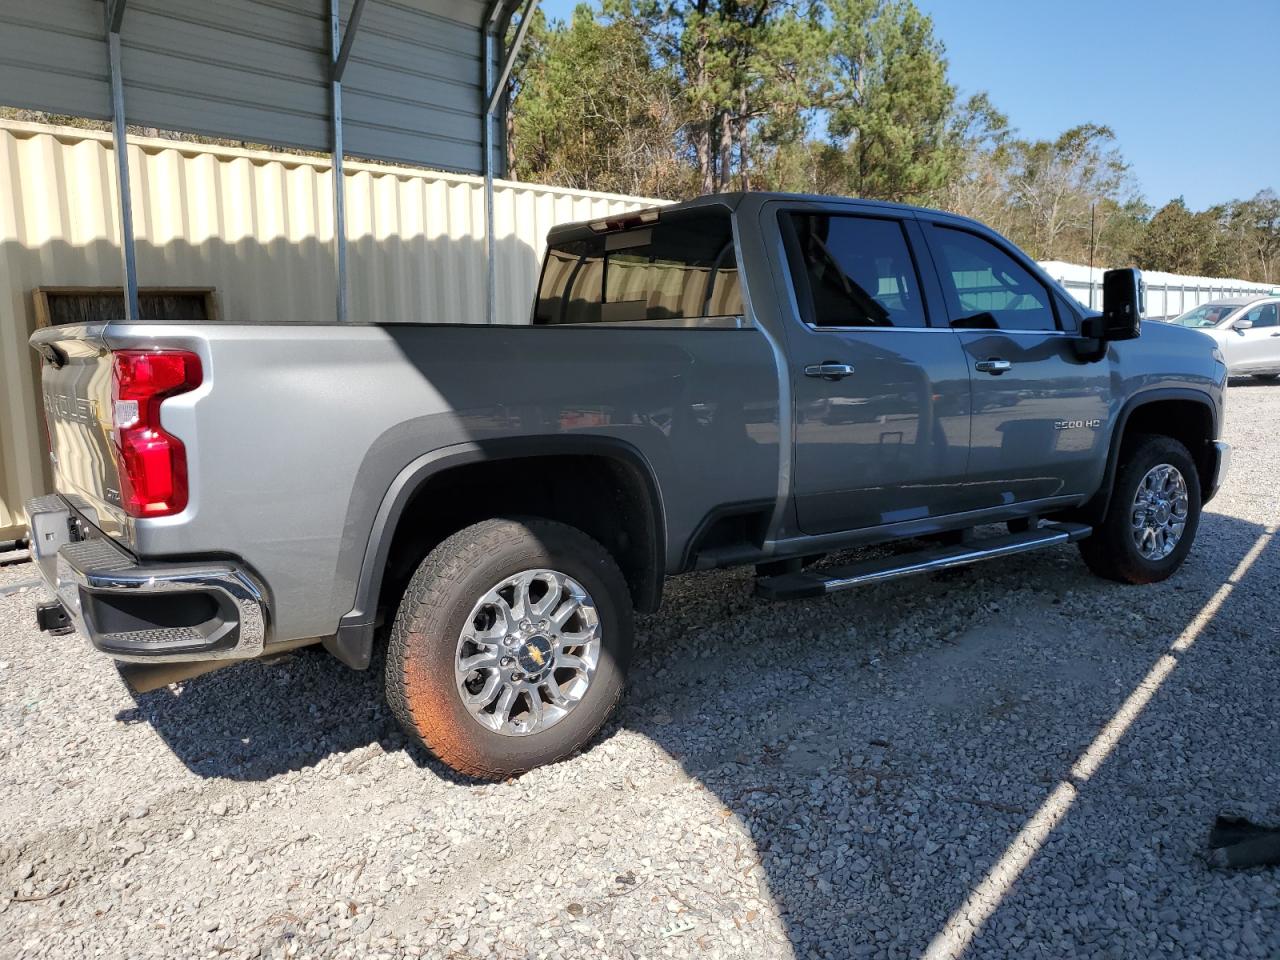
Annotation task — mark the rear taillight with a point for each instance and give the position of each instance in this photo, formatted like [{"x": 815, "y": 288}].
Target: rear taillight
[{"x": 152, "y": 463}]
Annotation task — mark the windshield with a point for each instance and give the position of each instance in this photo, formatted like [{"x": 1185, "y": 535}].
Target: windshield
[{"x": 1208, "y": 315}]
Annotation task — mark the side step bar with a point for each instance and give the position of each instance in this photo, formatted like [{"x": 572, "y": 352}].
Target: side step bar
[{"x": 816, "y": 583}]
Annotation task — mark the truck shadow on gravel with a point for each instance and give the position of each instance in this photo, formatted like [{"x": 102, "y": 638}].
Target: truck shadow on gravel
[
  {"x": 882, "y": 749},
  {"x": 255, "y": 721},
  {"x": 881, "y": 774}
]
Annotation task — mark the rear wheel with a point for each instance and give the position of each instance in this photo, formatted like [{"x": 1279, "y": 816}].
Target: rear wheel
[
  {"x": 1153, "y": 515},
  {"x": 510, "y": 647}
]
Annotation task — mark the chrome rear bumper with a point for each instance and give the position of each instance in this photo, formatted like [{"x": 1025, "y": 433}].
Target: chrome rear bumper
[{"x": 144, "y": 612}]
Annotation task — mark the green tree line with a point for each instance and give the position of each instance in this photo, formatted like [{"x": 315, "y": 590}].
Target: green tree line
[{"x": 676, "y": 98}]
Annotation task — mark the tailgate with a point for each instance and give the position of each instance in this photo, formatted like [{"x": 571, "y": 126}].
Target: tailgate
[{"x": 76, "y": 385}]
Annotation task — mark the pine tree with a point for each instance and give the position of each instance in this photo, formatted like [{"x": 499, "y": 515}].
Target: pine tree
[
  {"x": 594, "y": 111},
  {"x": 891, "y": 101},
  {"x": 673, "y": 98}
]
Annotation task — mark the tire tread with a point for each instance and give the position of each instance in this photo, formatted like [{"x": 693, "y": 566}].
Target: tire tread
[
  {"x": 1109, "y": 552},
  {"x": 443, "y": 569}
]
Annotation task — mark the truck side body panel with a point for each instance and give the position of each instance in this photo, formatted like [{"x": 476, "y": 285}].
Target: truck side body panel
[
  {"x": 299, "y": 431},
  {"x": 297, "y": 434}
]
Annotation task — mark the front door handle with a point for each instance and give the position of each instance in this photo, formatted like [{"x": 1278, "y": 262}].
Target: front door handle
[
  {"x": 829, "y": 370},
  {"x": 995, "y": 366}
]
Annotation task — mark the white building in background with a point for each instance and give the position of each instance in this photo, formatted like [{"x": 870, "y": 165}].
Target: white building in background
[{"x": 1168, "y": 294}]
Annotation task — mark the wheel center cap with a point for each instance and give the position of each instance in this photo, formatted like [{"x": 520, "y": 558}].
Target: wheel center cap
[
  {"x": 1162, "y": 512},
  {"x": 535, "y": 655}
]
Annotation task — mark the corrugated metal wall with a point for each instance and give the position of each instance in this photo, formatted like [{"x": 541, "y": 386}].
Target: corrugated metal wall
[
  {"x": 259, "y": 71},
  {"x": 258, "y": 227}
]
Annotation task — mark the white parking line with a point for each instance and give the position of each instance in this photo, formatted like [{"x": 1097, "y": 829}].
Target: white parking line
[{"x": 967, "y": 921}]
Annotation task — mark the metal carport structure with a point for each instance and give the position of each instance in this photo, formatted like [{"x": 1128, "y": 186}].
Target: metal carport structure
[{"x": 410, "y": 81}]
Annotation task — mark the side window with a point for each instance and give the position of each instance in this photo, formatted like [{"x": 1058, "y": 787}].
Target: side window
[
  {"x": 986, "y": 289},
  {"x": 858, "y": 271},
  {"x": 679, "y": 268},
  {"x": 1266, "y": 315},
  {"x": 1068, "y": 318}
]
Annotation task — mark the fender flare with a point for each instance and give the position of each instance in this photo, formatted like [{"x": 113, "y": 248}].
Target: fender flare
[
  {"x": 1096, "y": 507},
  {"x": 352, "y": 643}
]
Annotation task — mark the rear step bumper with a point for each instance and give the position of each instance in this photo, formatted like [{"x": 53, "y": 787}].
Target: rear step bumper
[
  {"x": 816, "y": 583},
  {"x": 144, "y": 612}
]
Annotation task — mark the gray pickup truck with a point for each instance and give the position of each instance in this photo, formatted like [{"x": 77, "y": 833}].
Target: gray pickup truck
[{"x": 743, "y": 379}]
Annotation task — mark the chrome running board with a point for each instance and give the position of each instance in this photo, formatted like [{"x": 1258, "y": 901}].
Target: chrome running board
[{"x": 816, "y": 583}]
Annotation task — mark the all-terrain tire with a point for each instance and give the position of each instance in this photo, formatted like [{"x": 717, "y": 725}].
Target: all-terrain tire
[
  {"x": 420, "y": 682},
  {"x": 1111, "y": 551}
]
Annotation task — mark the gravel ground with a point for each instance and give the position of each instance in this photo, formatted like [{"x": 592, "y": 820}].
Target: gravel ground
[{"x": 831, "y": 778}]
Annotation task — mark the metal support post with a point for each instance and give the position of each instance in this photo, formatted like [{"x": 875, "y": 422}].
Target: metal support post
[
  {"x": 490, "y": 248},
  {"x": 339, "y": 50},
  {"x": 114, "y": 17},
  {"x": 493, "y": 99}
]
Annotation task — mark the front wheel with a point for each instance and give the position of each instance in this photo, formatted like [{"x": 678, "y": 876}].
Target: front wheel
[
  {"x": 510, "y": 647},
  {"x": 1153, "y": 515}
]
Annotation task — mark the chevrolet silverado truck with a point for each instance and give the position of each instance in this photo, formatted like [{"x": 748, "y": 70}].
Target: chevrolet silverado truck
[{"x": 751, "y": 379}]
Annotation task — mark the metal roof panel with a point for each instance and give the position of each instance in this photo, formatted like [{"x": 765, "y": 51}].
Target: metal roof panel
[{"x": 258, "y": 70}]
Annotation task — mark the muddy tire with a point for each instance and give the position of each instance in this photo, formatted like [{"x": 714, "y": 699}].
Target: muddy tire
[
  {"x": 482, "y": 618},
  {"x": 1153, "y": 515}
]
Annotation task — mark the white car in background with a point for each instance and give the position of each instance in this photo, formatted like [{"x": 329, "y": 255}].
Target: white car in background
[{"x": 1247, "y": 330}]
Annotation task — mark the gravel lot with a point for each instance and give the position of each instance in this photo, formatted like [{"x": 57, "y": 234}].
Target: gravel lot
[{"x": 831, "y": 778}]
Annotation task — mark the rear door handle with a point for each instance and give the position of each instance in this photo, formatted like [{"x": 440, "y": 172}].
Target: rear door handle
[
  {"x": 995, "y": 366},
  {"x": 829, "y": 370}
]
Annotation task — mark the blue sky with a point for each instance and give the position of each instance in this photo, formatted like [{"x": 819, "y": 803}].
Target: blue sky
[{"x": 1192, "y": 89}]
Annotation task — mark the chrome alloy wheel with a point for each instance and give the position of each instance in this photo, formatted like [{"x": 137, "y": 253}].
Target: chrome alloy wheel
[
  {"x": 1160, "y": 510},
  {"x": 528, "y": 652}
]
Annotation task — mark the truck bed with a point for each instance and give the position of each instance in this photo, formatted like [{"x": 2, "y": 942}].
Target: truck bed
[{"x": 296, "y": 432}]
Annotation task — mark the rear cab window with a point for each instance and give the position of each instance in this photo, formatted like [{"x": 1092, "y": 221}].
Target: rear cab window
[{"x": 675, "y": 271}]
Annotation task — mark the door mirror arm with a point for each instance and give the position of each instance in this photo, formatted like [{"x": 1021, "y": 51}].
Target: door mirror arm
[{"x": 1090, "y": 345}]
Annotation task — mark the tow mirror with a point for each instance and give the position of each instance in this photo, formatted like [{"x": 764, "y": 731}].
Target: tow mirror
[
  {"x": 1244, "y": 323},
  {"x": 1123, "y": 303}
]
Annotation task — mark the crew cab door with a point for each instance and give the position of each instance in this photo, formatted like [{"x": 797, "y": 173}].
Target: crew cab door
[
  {"x": 881, "y": 398},
  {"x": 1256, "y": 349},
  {"x": 1039, "y": 411}
]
